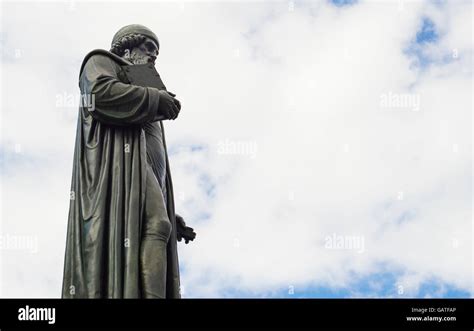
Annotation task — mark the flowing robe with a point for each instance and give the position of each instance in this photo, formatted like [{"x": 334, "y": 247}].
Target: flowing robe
[{"x": 108, "y": 186}]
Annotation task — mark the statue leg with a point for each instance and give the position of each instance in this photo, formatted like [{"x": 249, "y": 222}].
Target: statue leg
[{"x": 156, "y": 233}]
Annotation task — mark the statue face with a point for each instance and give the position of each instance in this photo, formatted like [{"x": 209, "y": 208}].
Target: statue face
[{"x": 146, "y": 52}]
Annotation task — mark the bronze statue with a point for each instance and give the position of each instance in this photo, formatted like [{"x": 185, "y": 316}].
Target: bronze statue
[{"x": 122, "y": 229}]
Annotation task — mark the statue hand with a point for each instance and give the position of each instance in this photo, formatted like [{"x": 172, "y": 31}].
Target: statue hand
[
  {"x": 183, "y": 231},
  {"x": 176, "y": 101},
  {"x": 168, "y": 106}
]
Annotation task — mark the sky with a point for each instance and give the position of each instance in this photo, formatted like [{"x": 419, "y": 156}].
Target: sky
[{"x": 323, "y": 149}]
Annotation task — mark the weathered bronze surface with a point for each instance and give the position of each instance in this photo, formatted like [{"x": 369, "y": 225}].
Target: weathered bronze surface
[{"x": 122, "y": 228}]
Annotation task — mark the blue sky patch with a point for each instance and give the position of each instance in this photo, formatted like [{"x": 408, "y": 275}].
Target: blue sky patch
[
  {"x": 427, "y": 33},
  {"x": 383, "y": 284},
  {"x": 340, "y": 3}
]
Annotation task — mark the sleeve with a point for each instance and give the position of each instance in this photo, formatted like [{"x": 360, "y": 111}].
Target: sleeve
[{"x": 112, "y": 101}]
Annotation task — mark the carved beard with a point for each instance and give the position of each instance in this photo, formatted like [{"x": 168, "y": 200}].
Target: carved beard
[{"x": 137, "y": 58}]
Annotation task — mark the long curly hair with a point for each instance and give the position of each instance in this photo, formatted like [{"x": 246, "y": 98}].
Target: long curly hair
[{"x": 128, "y": 42}]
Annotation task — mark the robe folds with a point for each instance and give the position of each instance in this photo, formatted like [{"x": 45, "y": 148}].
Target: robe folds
[{"x": 108, "y": 187}]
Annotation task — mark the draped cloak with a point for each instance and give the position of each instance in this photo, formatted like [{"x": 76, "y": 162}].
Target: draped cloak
[{"x": 108, "y": 187}]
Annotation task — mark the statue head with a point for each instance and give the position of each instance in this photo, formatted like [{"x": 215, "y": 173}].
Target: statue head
[{"x": 136, "y": 43}]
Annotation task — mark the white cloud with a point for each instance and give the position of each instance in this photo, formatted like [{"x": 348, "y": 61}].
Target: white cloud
[{"x": 305, "y": 86}]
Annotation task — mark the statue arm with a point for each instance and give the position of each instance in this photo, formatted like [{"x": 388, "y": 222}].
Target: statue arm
[{"x": 115, "y": 102}]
